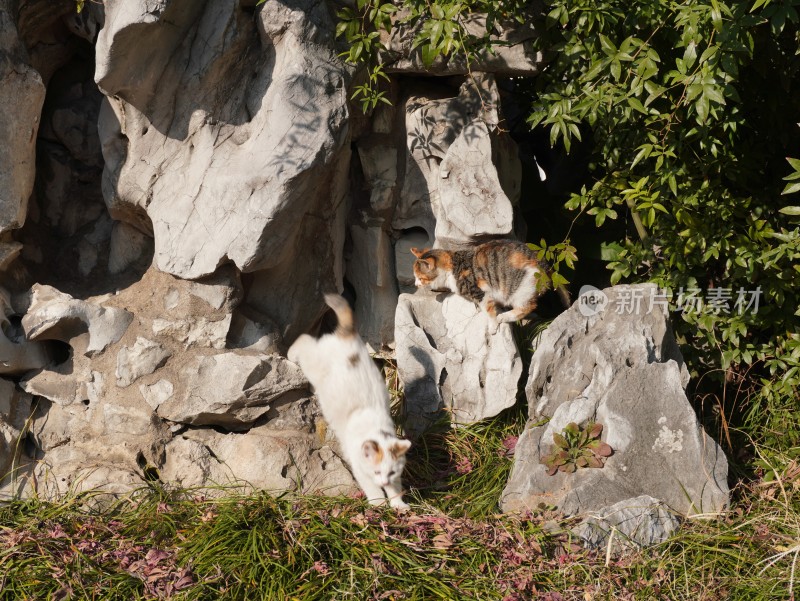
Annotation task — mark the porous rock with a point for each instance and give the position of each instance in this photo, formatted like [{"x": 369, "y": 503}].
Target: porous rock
[
  {"x": 225, "y": 132},
  {"x": 231, "y": 389},
  {"x": 456, "y": 186},
  {"x": 17, "y": 354},
  {"x": 618, "y": 366},
  {"x": 53, "y": 315},
  {"x": 446, "y": 358}
]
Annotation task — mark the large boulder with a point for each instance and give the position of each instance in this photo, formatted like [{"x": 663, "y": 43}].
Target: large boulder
[
  {"x": 616, "y": 363},
  {"x": 227, "y": 136}
]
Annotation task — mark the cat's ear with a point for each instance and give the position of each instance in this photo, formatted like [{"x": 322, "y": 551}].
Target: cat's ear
[
  {"x": 417, "y": 252},
  {"x": 372, "y": 451},
  {"x": 399, "y": 448},
  {"x": 424, "y": 265}
]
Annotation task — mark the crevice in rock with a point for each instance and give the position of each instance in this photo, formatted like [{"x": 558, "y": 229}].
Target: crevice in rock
[{"x": 149, "y": 472}]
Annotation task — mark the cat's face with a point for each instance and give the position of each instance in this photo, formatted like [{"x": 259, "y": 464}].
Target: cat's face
[
  {"x": 430, "y": 268},
  {"x": 385, "y": 459}
]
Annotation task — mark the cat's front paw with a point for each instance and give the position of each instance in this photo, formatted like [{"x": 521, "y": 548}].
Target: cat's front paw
[{"x": 400, "y": 505}]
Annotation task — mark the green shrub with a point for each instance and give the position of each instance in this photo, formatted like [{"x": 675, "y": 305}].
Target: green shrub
[{"x": 688, "y": 112}]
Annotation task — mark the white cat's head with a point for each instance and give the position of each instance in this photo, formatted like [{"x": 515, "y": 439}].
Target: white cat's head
[{"x": 384, "y": 459}]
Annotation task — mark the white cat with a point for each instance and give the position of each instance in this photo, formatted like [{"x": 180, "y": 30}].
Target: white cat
[{"x": 355, "y": 404}]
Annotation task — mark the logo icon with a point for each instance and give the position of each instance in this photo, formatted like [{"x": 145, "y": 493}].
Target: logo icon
[{"x": 591, "y": 301}]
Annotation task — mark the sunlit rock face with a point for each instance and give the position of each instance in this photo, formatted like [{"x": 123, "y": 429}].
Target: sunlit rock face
[
  {"x": 617, "y": 364},
  {"x": 184, "y": 181}
]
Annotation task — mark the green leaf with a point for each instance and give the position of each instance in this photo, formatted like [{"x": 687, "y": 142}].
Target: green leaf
[
  {"x": 560, "y": 441},
  {"x": 791, "y": 189},
  {"x": 428, "y": 54},
  {"x": 595, "y": 462},
  {"x": 604, "y": 450},
  {"x": 790, "y": 210}
]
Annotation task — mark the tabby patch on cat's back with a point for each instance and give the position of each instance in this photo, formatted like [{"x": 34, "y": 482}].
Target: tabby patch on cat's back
[{"x": 496, "y": 275}]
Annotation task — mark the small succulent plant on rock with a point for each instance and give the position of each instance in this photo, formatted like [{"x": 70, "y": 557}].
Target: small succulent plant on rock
[{"x": 577, "y": 448}]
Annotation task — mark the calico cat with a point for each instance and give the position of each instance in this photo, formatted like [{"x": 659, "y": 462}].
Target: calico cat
[
  {"x": 355, "y": 404},
  {"x": 500, "y": 273}
]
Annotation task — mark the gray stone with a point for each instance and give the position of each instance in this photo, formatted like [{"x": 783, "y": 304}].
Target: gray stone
[
  {"x": 53, "y": 315},
  {"x": 276, "y": 462},
  {"x": 128, "y": 245},
  {"x": 446, "y": 358},
  {"x": 226, "y": 152},
  {"x": 461, "y": 177},
  {"x": 404, "y": 259},
  {"x": 471, "y": 198},
  {"x": 15, "y": 409},
  {"x": 512, "y": 56},
  {"x": 141, "y": 359},
  {"x": 231, "y": 389},
  {"x": 251, "y": 331},
  {"x": 17, "y": 354},
  {"x": 21, "y": 96},
  {"x": 379, "y": 164},
  {"x": 630, "y": 524},
  {"x": 157, "y": 393},
  {"x": 195, "y": 331},
  {"x": 370, "y": 270},
  {"x": 620, "y": 367}
]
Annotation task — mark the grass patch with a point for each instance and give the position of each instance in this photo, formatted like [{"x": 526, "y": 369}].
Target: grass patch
[
  {"x": 454, "y": 544},
  {"x": 161, "y": 544}
]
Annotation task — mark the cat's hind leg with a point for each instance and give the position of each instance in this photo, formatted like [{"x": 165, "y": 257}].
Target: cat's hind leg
[
  {"x": 490, "y": 308},
  {"x": 302, "y": 347},
  {"x": 517, "y": 313}
]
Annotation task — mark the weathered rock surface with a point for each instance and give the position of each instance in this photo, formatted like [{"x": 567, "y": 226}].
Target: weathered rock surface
[
  {"x": 452, "y": 189},
  {"x": 15, "y": 408},
  {"x": 276, "y": 461},
  {"x": 141, "y": 359},
  {"x": 189, "y": 211},
  {"x": 622, "y": 368},
  {"x": 245, "y": 132},
  {"x": 512, "y": 56},
  {"x": 629, "y": 524},
  {"x": 89, "y": 327},
  {"x": 231, "y": 389},
  {"x": 21, "y": 96},
  {"x": 447, "y": 358},
  {"x": 17, "y": 355}
]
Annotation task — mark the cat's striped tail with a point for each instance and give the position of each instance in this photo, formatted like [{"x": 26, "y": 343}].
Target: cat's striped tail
[{"x": 345, "y": 327}]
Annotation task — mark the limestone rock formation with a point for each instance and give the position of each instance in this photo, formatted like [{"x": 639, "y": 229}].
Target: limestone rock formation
[
  {"x": 172, "y": 215},
  {"x": 512, "y": 56},
  {"x": 620, "y": 367},
  {"x": 21, "y": 96},
  {"x": 17, "y": 354},
  {"x": 447, "y": 358},
  {"x": 245, "y": 130}
]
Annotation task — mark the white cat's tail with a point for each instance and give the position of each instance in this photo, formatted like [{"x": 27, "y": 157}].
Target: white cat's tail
[{"x": 344, "y": 315}]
